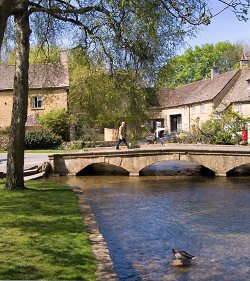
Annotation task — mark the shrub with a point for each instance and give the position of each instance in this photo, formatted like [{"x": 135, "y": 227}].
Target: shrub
[
  {"x": 57, "y": 122},
  {"x": 42, "y": 139},
  {"x": 222, "y": 128},
  {"x": 4, "y": 131},
  {"x": 72, "y": 145}
]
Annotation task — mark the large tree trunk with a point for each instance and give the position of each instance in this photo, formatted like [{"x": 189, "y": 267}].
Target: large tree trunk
[
  {"x": 5, "y": 9},
  {"x": 15, "y": 159}
]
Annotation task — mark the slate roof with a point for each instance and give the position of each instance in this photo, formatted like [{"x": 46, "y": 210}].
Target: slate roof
[
  {"x": 196, "y": 92},
  {"x": 240, "y": 92},
  {"x": 32, "y": 120},
  {"x": 40, "y": 76}
]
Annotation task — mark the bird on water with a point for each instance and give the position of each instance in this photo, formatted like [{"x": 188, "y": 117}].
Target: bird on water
[{"x": 183, "y": 256}]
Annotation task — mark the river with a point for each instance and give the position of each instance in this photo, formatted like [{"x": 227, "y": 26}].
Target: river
[{"x": 143, "y": 218}]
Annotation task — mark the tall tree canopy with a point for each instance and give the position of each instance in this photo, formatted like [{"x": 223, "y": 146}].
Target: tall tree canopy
[
  {"x": 98, "y": 99},
  {"x": 130, "y": 34},
  {"x": 195, "y": 64}
]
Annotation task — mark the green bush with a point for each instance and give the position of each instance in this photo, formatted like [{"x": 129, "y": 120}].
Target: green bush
[
  {"x": 222, "y": 128},
  {"x": 72, "y": 145},
  {"x": 57, "y": 122},
  {"x": 42, "y": 139}
]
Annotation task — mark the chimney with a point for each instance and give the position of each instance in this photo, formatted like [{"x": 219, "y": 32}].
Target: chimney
[
  {"x": 244, "y": 62},
  {"x": 214, "y": 72},
  {"x": 63, "y": 57},
  {"x": 64, "y": 64}
]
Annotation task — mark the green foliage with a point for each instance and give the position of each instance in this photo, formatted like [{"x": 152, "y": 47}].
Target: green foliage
[
  {"x": 44, "y": 55},
  {"x": 194, "y": 136},
  {"x": 38, "y": 55},
  {"x": 99, "y": 99},
  {"x": 222, "y": 128},
  {"x": 43, "y": 234},
  {"x": 42, "y": 139},
  {"x": 195, "y": 64},
  {"x": 73, "y": 145},
  {"x": 56, "y": 121}
]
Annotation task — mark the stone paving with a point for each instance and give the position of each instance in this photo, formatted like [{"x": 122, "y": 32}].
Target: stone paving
[{"x": 105, "y": 270}]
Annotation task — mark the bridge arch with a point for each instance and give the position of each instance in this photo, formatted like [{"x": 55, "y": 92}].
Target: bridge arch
[
  {"x": 175, "y": 167},
  {"x": 243, "y": 169},
  {"x": 136, "y": 164},
  {"x": 220, "y": 163},
  {"x": 102, "y": 168}
]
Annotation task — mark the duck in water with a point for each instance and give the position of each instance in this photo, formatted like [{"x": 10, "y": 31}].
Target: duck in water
[{"x": 182, "y": 258}]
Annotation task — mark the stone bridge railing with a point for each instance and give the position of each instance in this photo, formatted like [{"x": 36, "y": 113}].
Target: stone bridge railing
[{"x": 218, "y": 158}]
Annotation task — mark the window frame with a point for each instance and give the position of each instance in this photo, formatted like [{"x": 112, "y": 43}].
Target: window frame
[
  {"x": 202, "y": 108},
  {"x": 37, "y": 102},
  {"x": 238, "y": 107}
]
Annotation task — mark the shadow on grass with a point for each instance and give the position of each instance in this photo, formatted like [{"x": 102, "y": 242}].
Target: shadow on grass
[{"x": 43, "y": 236}]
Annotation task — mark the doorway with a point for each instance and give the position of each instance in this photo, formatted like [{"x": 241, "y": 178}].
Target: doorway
[{"x": 175, "y": 123}]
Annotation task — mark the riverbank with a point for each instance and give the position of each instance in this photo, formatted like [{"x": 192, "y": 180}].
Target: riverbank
[{"x": 42, "y": 235}]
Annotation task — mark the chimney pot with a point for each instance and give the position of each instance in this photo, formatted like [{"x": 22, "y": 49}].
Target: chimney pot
[
  {"x": 214, "y": 72},
  {"x": 63, "y": 57},
  {"x": 244, "y": 62}
]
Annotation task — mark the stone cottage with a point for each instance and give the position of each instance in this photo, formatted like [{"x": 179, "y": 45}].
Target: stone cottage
[
  {"x": 48, "y": 90},
  {"x": 184, "y": 106}
]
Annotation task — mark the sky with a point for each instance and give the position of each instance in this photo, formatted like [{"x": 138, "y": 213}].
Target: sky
[{"x": 224, "y": 27}]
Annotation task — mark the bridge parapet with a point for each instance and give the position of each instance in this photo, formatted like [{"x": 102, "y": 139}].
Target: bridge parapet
[{"x": 219, "y": 159}]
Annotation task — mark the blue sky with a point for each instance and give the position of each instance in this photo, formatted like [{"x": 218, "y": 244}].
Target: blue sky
[{"x": 224, "y": 27}]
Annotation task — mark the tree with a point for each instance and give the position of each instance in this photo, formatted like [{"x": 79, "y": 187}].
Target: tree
[
  {"x": 5, "y": 11},
  {"x": 15, "y": 162},
  {"x": 195, "y": 64},
  {"x": 98, "y": 99},
  {"x": 134, "y": 34},
  {"x": 37, "y": 55}
]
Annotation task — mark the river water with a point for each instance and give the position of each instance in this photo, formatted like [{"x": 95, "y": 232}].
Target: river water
[{"x": 143, "y": 218}]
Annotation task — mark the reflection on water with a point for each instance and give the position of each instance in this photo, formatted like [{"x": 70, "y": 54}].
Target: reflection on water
[{"x": 142, "y": 219}]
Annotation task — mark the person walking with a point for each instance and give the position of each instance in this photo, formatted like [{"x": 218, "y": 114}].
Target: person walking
[{"x": 122, "y": 135}]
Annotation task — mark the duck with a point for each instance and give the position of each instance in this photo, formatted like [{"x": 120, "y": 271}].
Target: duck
[{"x": 183, "y": 256}]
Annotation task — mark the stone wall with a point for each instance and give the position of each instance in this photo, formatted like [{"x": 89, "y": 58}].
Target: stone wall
[
  {"x": 53, "y": 99},
  {"x": 110, "y": 134}
]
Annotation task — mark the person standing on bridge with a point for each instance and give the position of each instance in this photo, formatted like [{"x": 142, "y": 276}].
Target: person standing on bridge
[{"x": 122, "y": 135}]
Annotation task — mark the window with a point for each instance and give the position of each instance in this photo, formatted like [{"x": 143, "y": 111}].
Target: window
[
  {"x": 186, "y": 109},
  {"x": 37, "y": 102},
  {"x": 248, "y": 84},
  {"x": 202, "y": 108},
  {"x": 193, "y": 109},
  {"x": 239, "y": 107}
]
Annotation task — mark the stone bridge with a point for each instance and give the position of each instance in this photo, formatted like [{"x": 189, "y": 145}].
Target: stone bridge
[{"x": 218, "y": 158}]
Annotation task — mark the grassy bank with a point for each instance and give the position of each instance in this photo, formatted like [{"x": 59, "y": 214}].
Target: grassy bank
[{"x": 42, "y": 235}]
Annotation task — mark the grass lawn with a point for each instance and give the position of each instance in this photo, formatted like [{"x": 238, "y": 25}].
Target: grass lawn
[{"x": 42, "y": 235}]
